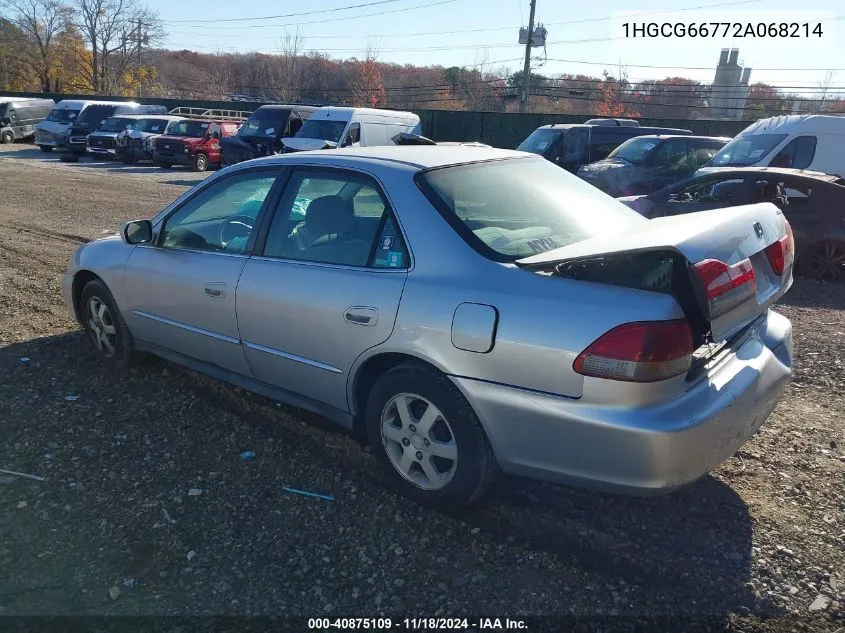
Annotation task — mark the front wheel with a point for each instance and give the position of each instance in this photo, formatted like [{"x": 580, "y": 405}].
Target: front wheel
[
  {"x": 201, "y": 162},
  {"x": 7, "y": 137},
  {"x": 824, "y": 261},
  {"x": 45, "y": 148},
  {"x": 105, "y": 326},
  {"x": 427, "y": 439}
]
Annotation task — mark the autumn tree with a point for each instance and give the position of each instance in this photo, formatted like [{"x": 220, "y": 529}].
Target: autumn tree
[
  {"x": 765, "y": 101},
  {"x": 613, "y": 93},
  {"x": 41, "y": 22}
]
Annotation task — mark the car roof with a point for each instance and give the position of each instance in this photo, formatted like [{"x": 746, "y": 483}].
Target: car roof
[
  {"x": 782, "y": 171},
  {"x": 416, "y": 157},
  {"x": 686, "y": 137}
]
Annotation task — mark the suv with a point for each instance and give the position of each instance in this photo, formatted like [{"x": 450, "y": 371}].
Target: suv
[
  {"x": 193, "y": 142},
  {"x": 263, "y": 132},
  {"x": 572, "y": 146},
  {"x": 95, "y": 114},
  {"x": 103, "y": 141},
  {"x": 136, "y": 143},
  {"x": 647, "y": 163}
]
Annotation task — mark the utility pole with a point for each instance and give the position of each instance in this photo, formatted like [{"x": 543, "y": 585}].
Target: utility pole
[
  {"x": 526, "y": 70},
  {"x": 140, "y": 39}
]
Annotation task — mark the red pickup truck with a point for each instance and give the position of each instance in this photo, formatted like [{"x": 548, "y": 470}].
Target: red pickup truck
[{"x": 193, "y": 142}]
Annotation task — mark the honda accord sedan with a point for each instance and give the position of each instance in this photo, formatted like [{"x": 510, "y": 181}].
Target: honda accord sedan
[{"x": 463, "y": 309}]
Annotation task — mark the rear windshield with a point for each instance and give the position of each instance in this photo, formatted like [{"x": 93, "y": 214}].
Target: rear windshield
[
  {"x": 116, "y": 124},
  {"x": 539, "y": 141},
  {"x": 62, "y": 116},
  {"x": 635, "y": 150},
  {"x": 196, "y": 129},
  {"x": 746, "y": 150},
  {"x": 150, "y": 125},
  {"x": 516, "y": 208},
  {"x": 322, "y": 129}
]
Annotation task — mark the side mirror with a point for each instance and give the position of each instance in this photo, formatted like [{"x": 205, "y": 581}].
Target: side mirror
[
  {"x": 214, "y": 135},
  {"x": 137, "y": 232}
]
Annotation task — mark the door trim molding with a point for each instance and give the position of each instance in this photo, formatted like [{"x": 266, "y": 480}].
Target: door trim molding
[
  {"x": 293, "y": 357},
  {"x": 189, "y": 328}
]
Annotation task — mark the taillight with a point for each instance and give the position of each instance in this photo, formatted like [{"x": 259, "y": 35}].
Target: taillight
[
  {"x": 645, "y": 351},
  {"x": 726, "y": 286},
  {"x": 781, "y": 253}
]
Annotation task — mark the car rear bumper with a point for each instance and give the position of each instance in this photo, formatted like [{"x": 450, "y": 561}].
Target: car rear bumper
[{"x": 647, "y": 449}]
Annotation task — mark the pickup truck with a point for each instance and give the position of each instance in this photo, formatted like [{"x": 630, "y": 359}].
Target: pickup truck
[
  {"x": 194, "y": 143},
  {"x": 136, "y": 144}
]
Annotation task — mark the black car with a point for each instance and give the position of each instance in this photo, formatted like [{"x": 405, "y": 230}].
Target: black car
[
  {"x": 648, "y": 163},
  {"x": 572, "y": 146},
  {"x": 814, "y": 204},
  {"x": 263, "y": 132}
]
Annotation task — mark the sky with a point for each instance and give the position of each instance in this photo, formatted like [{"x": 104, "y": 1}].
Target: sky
[{"x": 582, "y": 37}]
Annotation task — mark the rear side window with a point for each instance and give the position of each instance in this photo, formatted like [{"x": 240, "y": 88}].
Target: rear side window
[
  {"x": 798, "y": 153},
  {"x": 516, "y": 208},
  {"x": 603, "y": 141}
]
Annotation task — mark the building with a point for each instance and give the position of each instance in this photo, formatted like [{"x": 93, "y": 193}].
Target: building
[{"x": 730, "y": 87}]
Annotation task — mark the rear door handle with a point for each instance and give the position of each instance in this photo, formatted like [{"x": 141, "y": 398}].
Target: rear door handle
[
  {"x": 215, "y": 289},
  {"x": 361, "y": 315}
]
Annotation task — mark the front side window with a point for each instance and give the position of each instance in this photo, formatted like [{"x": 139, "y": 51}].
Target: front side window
[
  {"x": 222, "y": 217},
  {"x": 322, "y": 129},
  {"x": 62, "y": 115},
  {"x": 798, "y": 153},
  {"x": 333, "y": 218},
  {"x": 516, "y": 208},
  {"x": 744, "y": 151}
]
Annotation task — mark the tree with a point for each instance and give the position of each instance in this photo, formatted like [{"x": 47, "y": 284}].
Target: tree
[
  {"x": 765, "y": 101},
  {"x": 613, "y": 92},
  {"x": 41, "y": 22},
  {"x": 15, "y": 75}
]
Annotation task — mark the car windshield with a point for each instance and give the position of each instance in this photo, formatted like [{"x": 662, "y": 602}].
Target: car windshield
[
  {"x": 522, "y": 207},
  {"x": 195, "y": 129},
  {"x": 322, "y": 129},
  {"x": 267, "y": 124},
  {"x": 634, "y": 150},
  {"x": 95, "y": 114},
  {"x": 746, "y": 150},
  {"x": 539, "y": 141},
  {"x": 150, "y": 125},
  {"x": 62, "y": 115},
  {"x": 116, "y": 124}
]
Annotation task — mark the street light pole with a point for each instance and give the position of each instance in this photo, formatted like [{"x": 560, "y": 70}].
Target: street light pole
[{"x": 526, "y": 70}]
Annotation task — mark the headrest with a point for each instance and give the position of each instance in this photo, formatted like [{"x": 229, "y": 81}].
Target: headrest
[{"x": 328, "y": 215}]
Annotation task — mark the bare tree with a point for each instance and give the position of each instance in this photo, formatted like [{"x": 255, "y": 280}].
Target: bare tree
[
  {"x": 41, "y": 21},
  {"x": 824, "y": 87},
  {"x": 288, "y": 83}
]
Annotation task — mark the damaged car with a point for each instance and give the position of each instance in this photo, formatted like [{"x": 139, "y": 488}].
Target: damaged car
[{"x": 263, "y": 131}]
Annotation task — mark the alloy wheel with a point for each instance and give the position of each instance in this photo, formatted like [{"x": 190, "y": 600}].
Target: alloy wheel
[
  {"x": 827, "y": 262},
  {"x": 101, "y": 327},
  {"x": 419, "y": 441}
]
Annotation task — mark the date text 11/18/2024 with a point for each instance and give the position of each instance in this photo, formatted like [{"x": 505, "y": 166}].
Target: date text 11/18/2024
[{"x": 417, "y": 624}]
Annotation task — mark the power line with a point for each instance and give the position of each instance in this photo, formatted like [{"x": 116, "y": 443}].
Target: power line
[
  {"x": 285, "y": 15},
  {"x": 580, "y": 61}
]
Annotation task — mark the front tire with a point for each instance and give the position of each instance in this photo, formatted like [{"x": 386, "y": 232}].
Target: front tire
[
  {"x": 427, "y": 439},
  {"x": 105, "y": 326},
  {"x": 7, "y": 137},
  {"x": 824, "y": 261},
  {"x": 201, "y": 162}
]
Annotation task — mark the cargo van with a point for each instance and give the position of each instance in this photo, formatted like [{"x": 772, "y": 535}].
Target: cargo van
[
  {"x": 19, "y": 116},
  {"x": 331, "y": 127},
  {"x": 52, "y": 131},
  {"x": 95, "y": 113},
  {"x": 799, "y": 141}
]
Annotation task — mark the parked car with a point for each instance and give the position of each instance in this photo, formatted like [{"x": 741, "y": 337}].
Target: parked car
[
  {"x": 807, "y": 141},
  {"x": 814, "y": 204},
  {"x": 263, "y": 131},
  {"x": 332, "y": 127},
  {"x": 103, "y": 141},
  {"x": 193, "y": 142},
  {"x": 572, "y": 146},
  {"x": 96, "y": 113},
  {"x": 464, "y": 308},
  {"x": 19, "y": 116},
  {"x": 136, "y": 143},
  {"x": 647, "y": 163},
  {"x": 52, "y": 131}
]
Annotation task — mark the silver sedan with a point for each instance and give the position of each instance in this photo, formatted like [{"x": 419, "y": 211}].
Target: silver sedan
[{"x": 464, "y": 309}]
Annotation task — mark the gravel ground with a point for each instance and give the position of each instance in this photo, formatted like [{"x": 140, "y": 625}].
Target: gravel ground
[{"x": 116, "y": 527}]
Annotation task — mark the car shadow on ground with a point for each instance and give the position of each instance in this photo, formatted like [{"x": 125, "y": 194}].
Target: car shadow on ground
[
  {"x": 668, "y": 544},
  {"x": 810, "y": 293}
]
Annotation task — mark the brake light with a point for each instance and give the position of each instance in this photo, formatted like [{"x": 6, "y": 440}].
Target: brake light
[
  {"x": 645, "y": 351},
  {"x": 781, "y": 253},
  {"x": 726, "y": 286}
]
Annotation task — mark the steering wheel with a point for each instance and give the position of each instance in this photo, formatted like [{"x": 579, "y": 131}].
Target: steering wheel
[{"x": 235, "y": 227}]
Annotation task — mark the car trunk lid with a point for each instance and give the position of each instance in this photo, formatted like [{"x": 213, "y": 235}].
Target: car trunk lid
[{"x": 718, "y": 264}]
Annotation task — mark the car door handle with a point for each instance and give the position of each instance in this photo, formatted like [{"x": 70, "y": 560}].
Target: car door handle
[
  {"x": 216, "y": 290},
  {"x": 361, "y": 316}
]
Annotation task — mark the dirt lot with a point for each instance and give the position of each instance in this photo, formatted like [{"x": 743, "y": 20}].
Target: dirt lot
[{"x": 113, "y": 529}]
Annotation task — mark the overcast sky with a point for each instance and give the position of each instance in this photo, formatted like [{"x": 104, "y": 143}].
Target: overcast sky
[{"x": 583, "y": 37}]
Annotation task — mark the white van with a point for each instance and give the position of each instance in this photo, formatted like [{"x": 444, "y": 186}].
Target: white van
[
  {"x": 330, "y": 127},
  {"x": 52, "y": 131},
  {"x": 812, "y": 142}
]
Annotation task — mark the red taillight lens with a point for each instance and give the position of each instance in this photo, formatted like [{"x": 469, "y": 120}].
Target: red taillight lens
[
  {"x": 645, "y": 351},
  {"x": 781, "y": 253},
  {"x": 726, "y": 286}
]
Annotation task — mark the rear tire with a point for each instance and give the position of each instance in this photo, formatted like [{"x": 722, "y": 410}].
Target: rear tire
[
  {"x": 46, "y": 148},
  {"x": 105, "y": 326},
  {"x": 7, "y": 137},
  {"x": 824, "y": 261},
  {"x": 441, "y": 460},
  {"x": 201, "y": 162}
]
